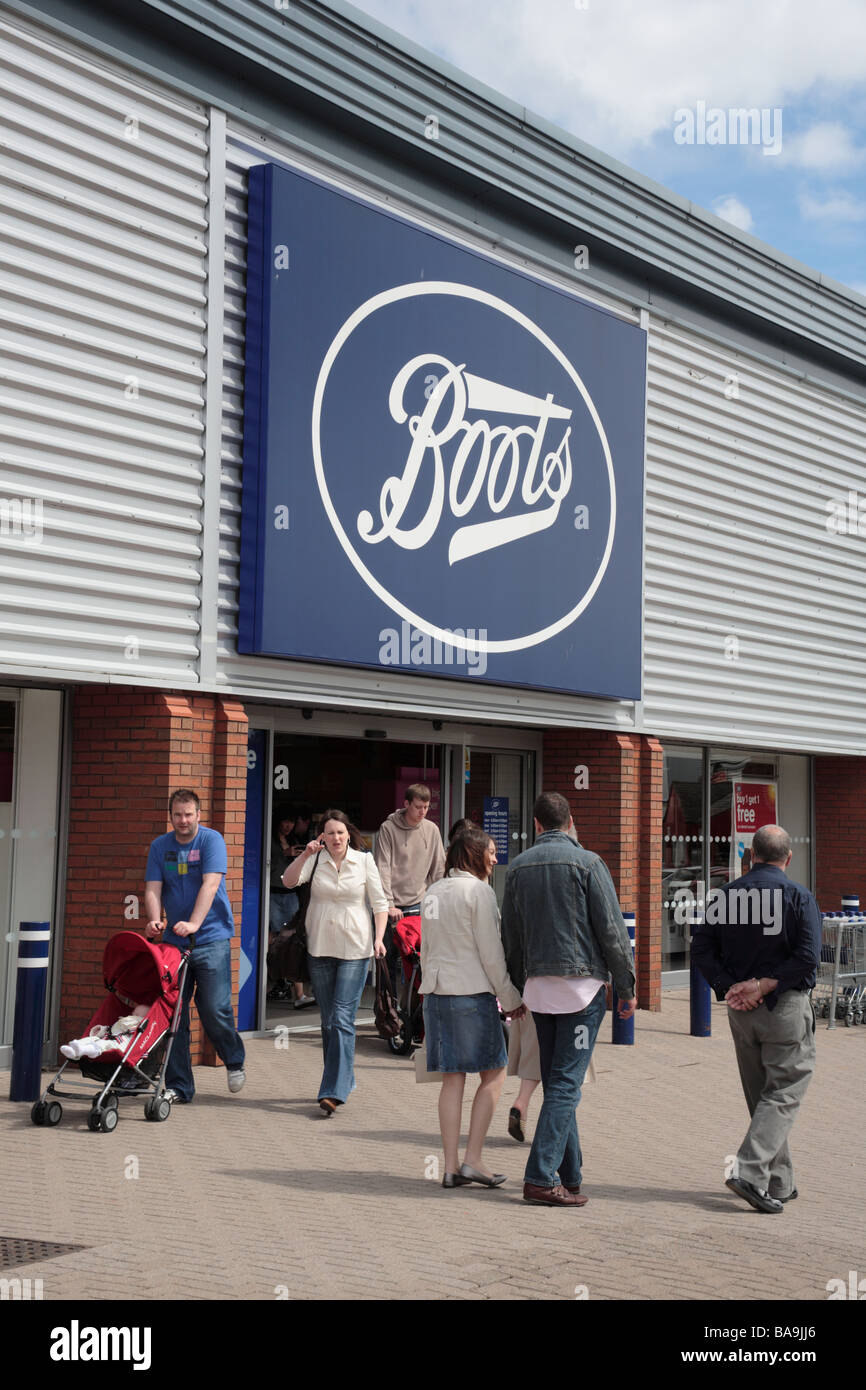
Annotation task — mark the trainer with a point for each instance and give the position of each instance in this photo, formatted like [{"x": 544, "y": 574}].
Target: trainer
[
  {"x": 759, "y": 950},
  {"x": 186, "y": 875}
]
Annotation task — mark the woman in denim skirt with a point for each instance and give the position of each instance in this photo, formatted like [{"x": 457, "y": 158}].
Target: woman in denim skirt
[{"x": 463, "y": 971}]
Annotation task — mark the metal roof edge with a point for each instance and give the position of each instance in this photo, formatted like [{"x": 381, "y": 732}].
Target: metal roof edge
[{"x": 805, "y": 316}]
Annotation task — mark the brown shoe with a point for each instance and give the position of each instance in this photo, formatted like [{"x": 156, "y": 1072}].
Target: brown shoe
[
  {"x": 551, "y": 1196},
  {"x": 574, "y": 1189}
]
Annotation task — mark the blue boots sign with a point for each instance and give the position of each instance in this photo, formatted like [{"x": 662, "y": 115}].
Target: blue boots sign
[{"x": 443, "y": 457}]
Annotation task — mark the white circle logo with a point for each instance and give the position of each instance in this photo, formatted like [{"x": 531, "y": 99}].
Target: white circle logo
[{"x": 485, "y": 474}]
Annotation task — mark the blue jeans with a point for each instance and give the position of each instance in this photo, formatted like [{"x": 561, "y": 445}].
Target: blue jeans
[
  {"x": 281, "y": 909},
  {"x": 338, "y": 985},
  {"x": 564, "y": 1057},
  {"x": 209, "y": 970}
]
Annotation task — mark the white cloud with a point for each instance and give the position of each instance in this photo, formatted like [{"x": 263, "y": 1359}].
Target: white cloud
[
  {"x": 615, "y": 72},
  {"x": 828, "y": 146},
  {"x": 732, "y": 210},
  {"x": 837, "y": 207}
]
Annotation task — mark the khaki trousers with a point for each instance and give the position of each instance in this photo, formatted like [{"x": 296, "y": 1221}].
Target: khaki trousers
[{"x": 776, "y": 1057}]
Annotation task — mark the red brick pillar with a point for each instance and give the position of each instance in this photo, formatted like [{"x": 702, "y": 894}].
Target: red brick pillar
[
  {"x": 840, "y": 830},
  {"x": 130, "y": 749},
  {"x": 613, "y": 783}
]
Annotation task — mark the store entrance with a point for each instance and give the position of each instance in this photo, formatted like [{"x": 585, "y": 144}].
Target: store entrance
[{"x": 367, "y": 778}]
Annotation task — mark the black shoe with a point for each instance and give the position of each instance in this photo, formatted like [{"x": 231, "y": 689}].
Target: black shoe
[
  {"x": 470, "y": 1174},
  {"x": 515, "y": 1125},
  {"x": 455, "y": 1180},
  {"x": 790, "y": 1197},
  {"x": 755, "y": 1196}
]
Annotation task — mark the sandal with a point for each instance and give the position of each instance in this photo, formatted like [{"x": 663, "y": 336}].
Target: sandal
[{"x": 328, "y": 1105}]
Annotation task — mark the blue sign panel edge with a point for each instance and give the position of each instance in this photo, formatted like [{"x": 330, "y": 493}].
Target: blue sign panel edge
[{"x": 255, "y": 430}]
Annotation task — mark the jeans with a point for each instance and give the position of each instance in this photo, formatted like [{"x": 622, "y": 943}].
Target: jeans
[
  {"x": 565, "y": 1055},
  {"x": 281, "y": 909},
  {"x": 209, "y": 970},
  {"x": 338, "y": 985}
]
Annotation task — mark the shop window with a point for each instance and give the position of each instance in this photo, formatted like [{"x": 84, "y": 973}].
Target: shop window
[
  {"x": 682, "y": 850},
  {"x": 713, "y": 804}
]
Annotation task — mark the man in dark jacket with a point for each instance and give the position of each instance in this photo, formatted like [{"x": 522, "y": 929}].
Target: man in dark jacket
[
  {"x": 759, "y": 949},
  {"x": 563, "y": 932}
]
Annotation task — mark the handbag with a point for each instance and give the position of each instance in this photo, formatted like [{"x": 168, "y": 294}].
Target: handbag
[
  {"x": 287, "y": 957},
  {"x": 388, "y": 1023}
]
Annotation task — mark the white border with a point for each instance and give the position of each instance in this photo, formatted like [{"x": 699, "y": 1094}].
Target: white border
[{"x": 446, "y": 287}]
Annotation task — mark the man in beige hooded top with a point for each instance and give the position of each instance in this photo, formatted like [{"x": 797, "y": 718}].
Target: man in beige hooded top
[{"x": 409, "y": 856}]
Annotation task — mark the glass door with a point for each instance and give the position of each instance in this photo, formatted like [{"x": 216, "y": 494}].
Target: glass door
[{"x": 499, "y": 790}]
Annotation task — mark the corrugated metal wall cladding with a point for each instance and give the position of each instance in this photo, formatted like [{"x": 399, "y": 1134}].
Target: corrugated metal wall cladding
[
  {"x": 102, "y": 239},
  {"x": 327, "y": 53},
  {"x": 753, "y": 605}
]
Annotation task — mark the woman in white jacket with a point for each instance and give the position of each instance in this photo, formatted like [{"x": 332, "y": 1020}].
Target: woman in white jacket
[{"x": 463, "y": 971}]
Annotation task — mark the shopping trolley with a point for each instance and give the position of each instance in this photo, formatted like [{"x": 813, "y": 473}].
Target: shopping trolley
[{"x": 840, "y": 988}]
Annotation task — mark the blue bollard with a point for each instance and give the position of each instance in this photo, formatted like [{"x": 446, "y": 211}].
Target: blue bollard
[
  {"x": 26, "y": 1080},
  {"x": 623, "y": 1028},
  {"x": 700, "y": 1001}
]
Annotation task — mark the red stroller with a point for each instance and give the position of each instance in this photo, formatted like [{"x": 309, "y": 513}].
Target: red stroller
[
  {"x": 410, "y": 1006},
  {"x": 135, "y": 971}
]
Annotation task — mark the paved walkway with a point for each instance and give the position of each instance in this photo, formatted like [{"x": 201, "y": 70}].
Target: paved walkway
[{"x": 258, "y": 1196}]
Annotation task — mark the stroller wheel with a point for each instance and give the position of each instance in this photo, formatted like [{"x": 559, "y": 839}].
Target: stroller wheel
[
  {"x": 53, "y": 1113},
  {"x": 157, "y": 1108},
  {"x": 37, "y": 1114},
  {"x": 93, "y": 1121},
  {"x": 108, "y": 1121}
]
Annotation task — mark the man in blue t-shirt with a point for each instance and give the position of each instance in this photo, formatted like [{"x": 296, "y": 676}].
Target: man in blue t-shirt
[{"x": 185, "y": 875}]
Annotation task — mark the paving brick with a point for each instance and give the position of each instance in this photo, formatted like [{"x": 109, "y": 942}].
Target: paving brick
[{"x": 269, "y": 1194}]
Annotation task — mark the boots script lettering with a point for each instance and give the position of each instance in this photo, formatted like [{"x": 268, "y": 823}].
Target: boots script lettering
[{"x": 486, "y": 459}]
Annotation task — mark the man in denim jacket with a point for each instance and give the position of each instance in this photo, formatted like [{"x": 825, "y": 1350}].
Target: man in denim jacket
[{"x": 563, "y": 932}]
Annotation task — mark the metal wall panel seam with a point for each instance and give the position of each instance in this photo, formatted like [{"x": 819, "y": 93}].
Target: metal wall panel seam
[
  {"x": 215, "y": 266},
  {"x": 143, "y": 617},
  {"x": 141, "y": 270},
  {"x": 77, "y": 219},
  {"x": 766, "y": 665},
  {"x": 667, "y": 328},
  {"x": 673, "y": 361},
  {"x": 74, "y": 59}
]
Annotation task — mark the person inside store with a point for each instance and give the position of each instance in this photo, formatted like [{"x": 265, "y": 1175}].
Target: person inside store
[
  {"x": 409, "y": 856},
  {"x": 285, "y": 847},
  {"x": 345, "y": 888},
  {"x": 185, "y": 875},
  {"x": 463, "y": 972}
]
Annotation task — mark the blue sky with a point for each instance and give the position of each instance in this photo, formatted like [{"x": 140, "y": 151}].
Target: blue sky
[{"x": 633, "y": 76}]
